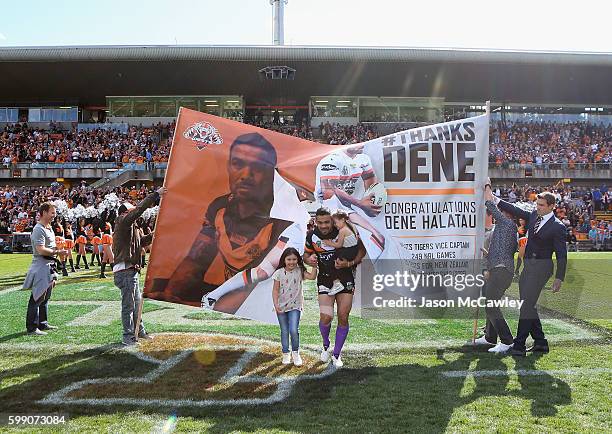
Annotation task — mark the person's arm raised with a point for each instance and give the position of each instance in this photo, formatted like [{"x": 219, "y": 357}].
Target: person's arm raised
[
  {"x": 146, "y": 203},
  {"x": 503, "y": 205}
]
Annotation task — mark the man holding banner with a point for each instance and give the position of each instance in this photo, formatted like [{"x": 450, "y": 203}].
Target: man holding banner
[{"x": 546, "y": 235}]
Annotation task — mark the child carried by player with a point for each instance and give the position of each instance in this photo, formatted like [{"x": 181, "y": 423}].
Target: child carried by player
[{"x": 346, "y": 245}]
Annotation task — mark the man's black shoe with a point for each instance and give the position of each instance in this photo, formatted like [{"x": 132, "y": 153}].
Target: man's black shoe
[
  {"x": 539, "y": 349},
  {"x": 516, "y": 353}
]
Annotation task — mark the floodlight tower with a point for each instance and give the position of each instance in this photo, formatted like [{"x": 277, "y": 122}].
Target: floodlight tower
[{"x": 278, "y": 21}]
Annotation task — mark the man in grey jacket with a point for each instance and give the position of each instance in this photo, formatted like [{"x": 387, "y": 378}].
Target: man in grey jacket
[
  {"x": 128, "y": 241},
  {"x": 500, "y": 266},
  {"x": 42, "y": 274}
]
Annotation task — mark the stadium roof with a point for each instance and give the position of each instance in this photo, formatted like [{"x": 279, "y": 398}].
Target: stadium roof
[
  {"x": 86, "y": 74},
  {"x": 297, "y": 53}
]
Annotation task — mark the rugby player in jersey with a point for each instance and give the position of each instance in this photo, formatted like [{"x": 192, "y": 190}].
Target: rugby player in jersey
[
  {"x": 331, "y": 268},
  {"x": 345, "y": 175},
  {"x": 240, "y": 243}
]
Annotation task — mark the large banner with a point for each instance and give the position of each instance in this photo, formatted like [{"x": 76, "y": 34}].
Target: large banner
[{"x": 236, "y": 197}]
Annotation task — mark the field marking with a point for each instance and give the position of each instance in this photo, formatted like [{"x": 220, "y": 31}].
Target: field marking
[
  {"x": 103, "y": 315},
  {"x": 10, "y": 289},
  {"x": 109, "y": 311},
  {"x": 284, "y": 384},
  {"x": 231, "y": 376},
  {"x": 526, "y": 372}
]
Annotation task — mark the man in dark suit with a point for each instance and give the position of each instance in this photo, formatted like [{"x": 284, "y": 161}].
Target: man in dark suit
[{"x": 546, "y": 234}]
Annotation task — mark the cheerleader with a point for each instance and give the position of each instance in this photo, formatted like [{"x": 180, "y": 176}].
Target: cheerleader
[
  {"x": 144, "y": 230},
  {"x": 96, "y": 242},
  {"x": 107, "y": 249},
  {"x": 69, "y": 245},
  {"x": 81, "y": 242},
  {"x": 59, "y": 243}
]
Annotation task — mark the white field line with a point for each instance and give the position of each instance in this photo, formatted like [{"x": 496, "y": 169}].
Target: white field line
[
  {"x": 284, "y": 384},
  {"x": 109, "y": 311},
  {"x": 526, "y": 372},
  {"x": 10, "y": 289},
  {"x": 232, "y": 375},
  {"x": 573, "y": 333},
  {"x": 40, "y": 346},
  {"x": 104, "y": 315}
]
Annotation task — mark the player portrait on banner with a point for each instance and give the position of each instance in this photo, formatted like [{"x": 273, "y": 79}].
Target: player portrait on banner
[
  {"x": 346, "y": 180},
  {"x": 242, "y": 235}
]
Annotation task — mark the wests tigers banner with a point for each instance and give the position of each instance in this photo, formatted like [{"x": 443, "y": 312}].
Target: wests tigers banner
[{"x": 236, "y": 200}]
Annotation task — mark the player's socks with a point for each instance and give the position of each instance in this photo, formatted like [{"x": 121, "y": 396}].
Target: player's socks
[
  {"x": 341, "y": 334},
  {"x": 325, "y": 329}
]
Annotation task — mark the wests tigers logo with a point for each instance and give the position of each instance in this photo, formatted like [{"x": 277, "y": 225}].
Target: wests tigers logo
[{"x": 203, "y": 134}]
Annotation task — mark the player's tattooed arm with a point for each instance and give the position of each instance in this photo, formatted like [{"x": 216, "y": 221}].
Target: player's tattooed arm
[
  {"x": 328, "y": 187},
  {"x": 189, "y": 274},
  {"x": 369, "y": 179},
  {"x": 365, "y": 203}
]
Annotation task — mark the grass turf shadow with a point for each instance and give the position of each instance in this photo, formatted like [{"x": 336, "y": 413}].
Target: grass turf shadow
[{"x": 403, "y": 397}]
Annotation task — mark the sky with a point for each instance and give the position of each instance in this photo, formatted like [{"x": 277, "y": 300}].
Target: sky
[{"x": 511, "y": 25}]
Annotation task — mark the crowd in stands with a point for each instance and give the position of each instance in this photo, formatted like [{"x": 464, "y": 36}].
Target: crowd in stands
[
  {"x": 301, "y": 130},
  {"x": 550, "y": 145},
  {"x": 21, "y": 143},
  {"x": 577, "y": 207},
  {"x": 512, "y": 145},
  {"x": 519, "y": 144},
  {"x": 18, "y": 205},
  {"x": 336, "y": 134}
]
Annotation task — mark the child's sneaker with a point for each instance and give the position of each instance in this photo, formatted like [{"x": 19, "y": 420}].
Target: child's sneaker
[
  {"x": 336, "y": 288},
  {"x": 325, "y": 355},
  {"x": 337, "y": 362},
  {"x": 297, "y": 360},
  {"x": 286, "y": 358}
]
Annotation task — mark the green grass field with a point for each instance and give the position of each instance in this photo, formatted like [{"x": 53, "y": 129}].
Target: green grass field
[{"x": 399, "y": 375}]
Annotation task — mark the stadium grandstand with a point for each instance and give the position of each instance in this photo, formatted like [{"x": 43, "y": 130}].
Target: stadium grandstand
[{"x": 79, "y": 122}]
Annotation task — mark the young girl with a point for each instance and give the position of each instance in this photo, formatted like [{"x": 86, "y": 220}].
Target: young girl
[
  {"x": 288, "y": 300},
  {"x": 346, "y": 246}
]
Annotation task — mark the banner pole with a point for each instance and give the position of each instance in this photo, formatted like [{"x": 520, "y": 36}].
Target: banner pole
[
  {"x": 475, "y": 328},
  {"x": 141, "y": 293},
  {"x": 475, "y": 325}
]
